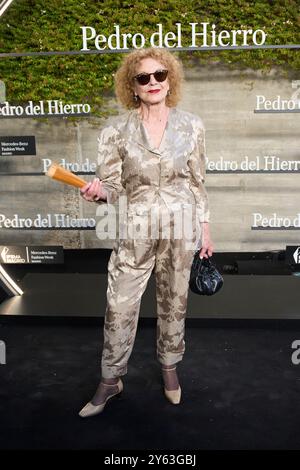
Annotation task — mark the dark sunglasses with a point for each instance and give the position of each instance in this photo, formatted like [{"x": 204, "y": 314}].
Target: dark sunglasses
[{"x": 144, "y": 78}]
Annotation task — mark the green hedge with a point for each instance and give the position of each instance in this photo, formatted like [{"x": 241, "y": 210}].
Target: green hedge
[{"x": 55, "y": 26}]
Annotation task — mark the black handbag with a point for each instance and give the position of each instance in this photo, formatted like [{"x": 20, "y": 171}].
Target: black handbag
[{"x": 205, "y": 279}]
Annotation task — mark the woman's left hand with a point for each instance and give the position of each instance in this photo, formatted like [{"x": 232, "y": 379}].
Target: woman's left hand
[{"x": 207, "y": 246}]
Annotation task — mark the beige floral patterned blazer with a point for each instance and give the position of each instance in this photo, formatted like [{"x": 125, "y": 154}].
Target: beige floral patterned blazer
[{"x": 129, "y": 165}]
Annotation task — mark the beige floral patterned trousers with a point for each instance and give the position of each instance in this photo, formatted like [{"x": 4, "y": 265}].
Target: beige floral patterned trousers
[{"x": 130, "y": 266}]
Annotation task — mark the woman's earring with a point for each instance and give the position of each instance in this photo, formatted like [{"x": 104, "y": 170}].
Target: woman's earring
[
  {"x": 135, "y": 97},
  {"x": 168, "y": 93}
]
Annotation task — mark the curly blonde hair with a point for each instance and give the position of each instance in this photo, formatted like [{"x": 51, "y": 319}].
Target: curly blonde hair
[{"x": 127, "y": 70}]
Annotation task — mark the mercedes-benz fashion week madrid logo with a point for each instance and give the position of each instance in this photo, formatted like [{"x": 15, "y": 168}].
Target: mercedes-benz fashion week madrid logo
[{"x": 296, "y": 255}]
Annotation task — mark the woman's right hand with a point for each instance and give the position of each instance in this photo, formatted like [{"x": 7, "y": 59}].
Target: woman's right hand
[{"x": 93, "y": 191}]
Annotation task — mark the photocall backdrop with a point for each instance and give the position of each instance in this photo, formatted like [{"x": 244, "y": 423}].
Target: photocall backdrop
[{"x": 56, "y": 92}]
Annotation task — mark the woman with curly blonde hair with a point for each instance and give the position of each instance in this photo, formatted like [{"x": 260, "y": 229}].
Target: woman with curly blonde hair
[
  {"x": 154, "y": 155},
  {"x": 123, "y": 77}
]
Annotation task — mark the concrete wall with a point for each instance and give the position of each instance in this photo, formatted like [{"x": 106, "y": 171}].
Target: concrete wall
[{"x": 226, "y": 101}]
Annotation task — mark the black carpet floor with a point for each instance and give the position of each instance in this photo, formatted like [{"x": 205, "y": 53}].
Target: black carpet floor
[{"x": 240, "y": 389}]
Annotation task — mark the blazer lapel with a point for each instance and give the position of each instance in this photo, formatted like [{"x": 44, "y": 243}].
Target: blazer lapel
[
  {"x": 140, "y": 135},
  {"x": 179, "y": 137}
]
